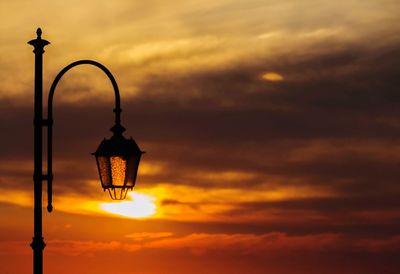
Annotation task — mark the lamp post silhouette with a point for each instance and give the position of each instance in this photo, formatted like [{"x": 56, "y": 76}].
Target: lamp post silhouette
[{"x": 117, "y": 158}]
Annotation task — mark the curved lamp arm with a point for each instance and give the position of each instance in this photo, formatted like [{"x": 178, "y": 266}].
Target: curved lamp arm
[{"x": 117, "y": 128}]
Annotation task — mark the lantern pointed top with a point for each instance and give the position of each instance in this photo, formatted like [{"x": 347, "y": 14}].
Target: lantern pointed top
[{"x": 117, "y": 129}]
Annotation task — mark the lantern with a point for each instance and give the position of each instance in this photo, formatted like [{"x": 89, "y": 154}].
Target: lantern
[{"x": 118, "y": 162}]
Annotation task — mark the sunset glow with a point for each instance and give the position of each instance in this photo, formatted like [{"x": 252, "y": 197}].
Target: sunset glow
[
  {"x": 271, "y": 131},
  {"x": 135, "y": 206}
]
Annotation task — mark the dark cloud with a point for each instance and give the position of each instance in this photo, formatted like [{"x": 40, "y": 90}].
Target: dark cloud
[{"x": 229, "y": 119}]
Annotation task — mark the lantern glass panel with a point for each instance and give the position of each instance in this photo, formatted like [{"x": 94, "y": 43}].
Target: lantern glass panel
[
  {"x": 118, "y": 170},
  {"x": 103, "y": 164},
  {"x": 132, "y": 168}
]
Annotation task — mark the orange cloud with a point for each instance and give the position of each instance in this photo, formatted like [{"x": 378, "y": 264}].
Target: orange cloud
[
  {"x": 272, "y": 76},
  {"x": 87, "y": 248},
  {"x": 200, "y": 243},
  {"x": 379, "y": 245},
  {"x": 148, "y": 236}
]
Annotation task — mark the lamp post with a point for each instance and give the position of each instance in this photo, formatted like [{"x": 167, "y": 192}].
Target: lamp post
[{"x": 117, "y": 158}]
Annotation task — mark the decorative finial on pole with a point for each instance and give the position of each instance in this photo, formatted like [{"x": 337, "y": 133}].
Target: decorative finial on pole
[
  {"x": 39, "y": 33},
  {"x": 39, "y": 43}
]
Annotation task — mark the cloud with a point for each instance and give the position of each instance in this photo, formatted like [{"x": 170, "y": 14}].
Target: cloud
[
  {"x": 271, "y": 244},
  {"x": 247, "y": 243},
  {"x": 148, "y": 236},
  {"x": 379, "y": 245},
  {"x": 85, "y": 248},
  {"x": 319, "y": 146}
]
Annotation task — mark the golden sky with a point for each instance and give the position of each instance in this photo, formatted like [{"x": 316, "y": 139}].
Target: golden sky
[{"x": 271, "y": 130}]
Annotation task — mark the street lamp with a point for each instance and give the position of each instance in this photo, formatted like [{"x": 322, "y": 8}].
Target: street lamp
[
  {"x": 118, "y": 161},
  {"x": 117, "y": 158}
]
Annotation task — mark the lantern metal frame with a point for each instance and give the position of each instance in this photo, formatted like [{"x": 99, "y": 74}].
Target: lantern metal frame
[
  {"x": 39, "y": 177},
  {"x": 129, "y": 151}
]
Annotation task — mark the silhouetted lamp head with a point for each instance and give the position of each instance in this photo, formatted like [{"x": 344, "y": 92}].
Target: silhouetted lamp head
[{"x": 118, "y": 162}]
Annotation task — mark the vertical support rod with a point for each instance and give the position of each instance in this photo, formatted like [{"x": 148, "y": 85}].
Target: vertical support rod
[{"x": 38, "y": 242}]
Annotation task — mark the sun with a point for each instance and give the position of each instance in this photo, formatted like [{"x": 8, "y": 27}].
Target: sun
[{"x": 137, "y": 206}]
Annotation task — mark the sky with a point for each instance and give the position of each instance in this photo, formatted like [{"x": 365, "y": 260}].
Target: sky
[{"x": 271, "y": 131}]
